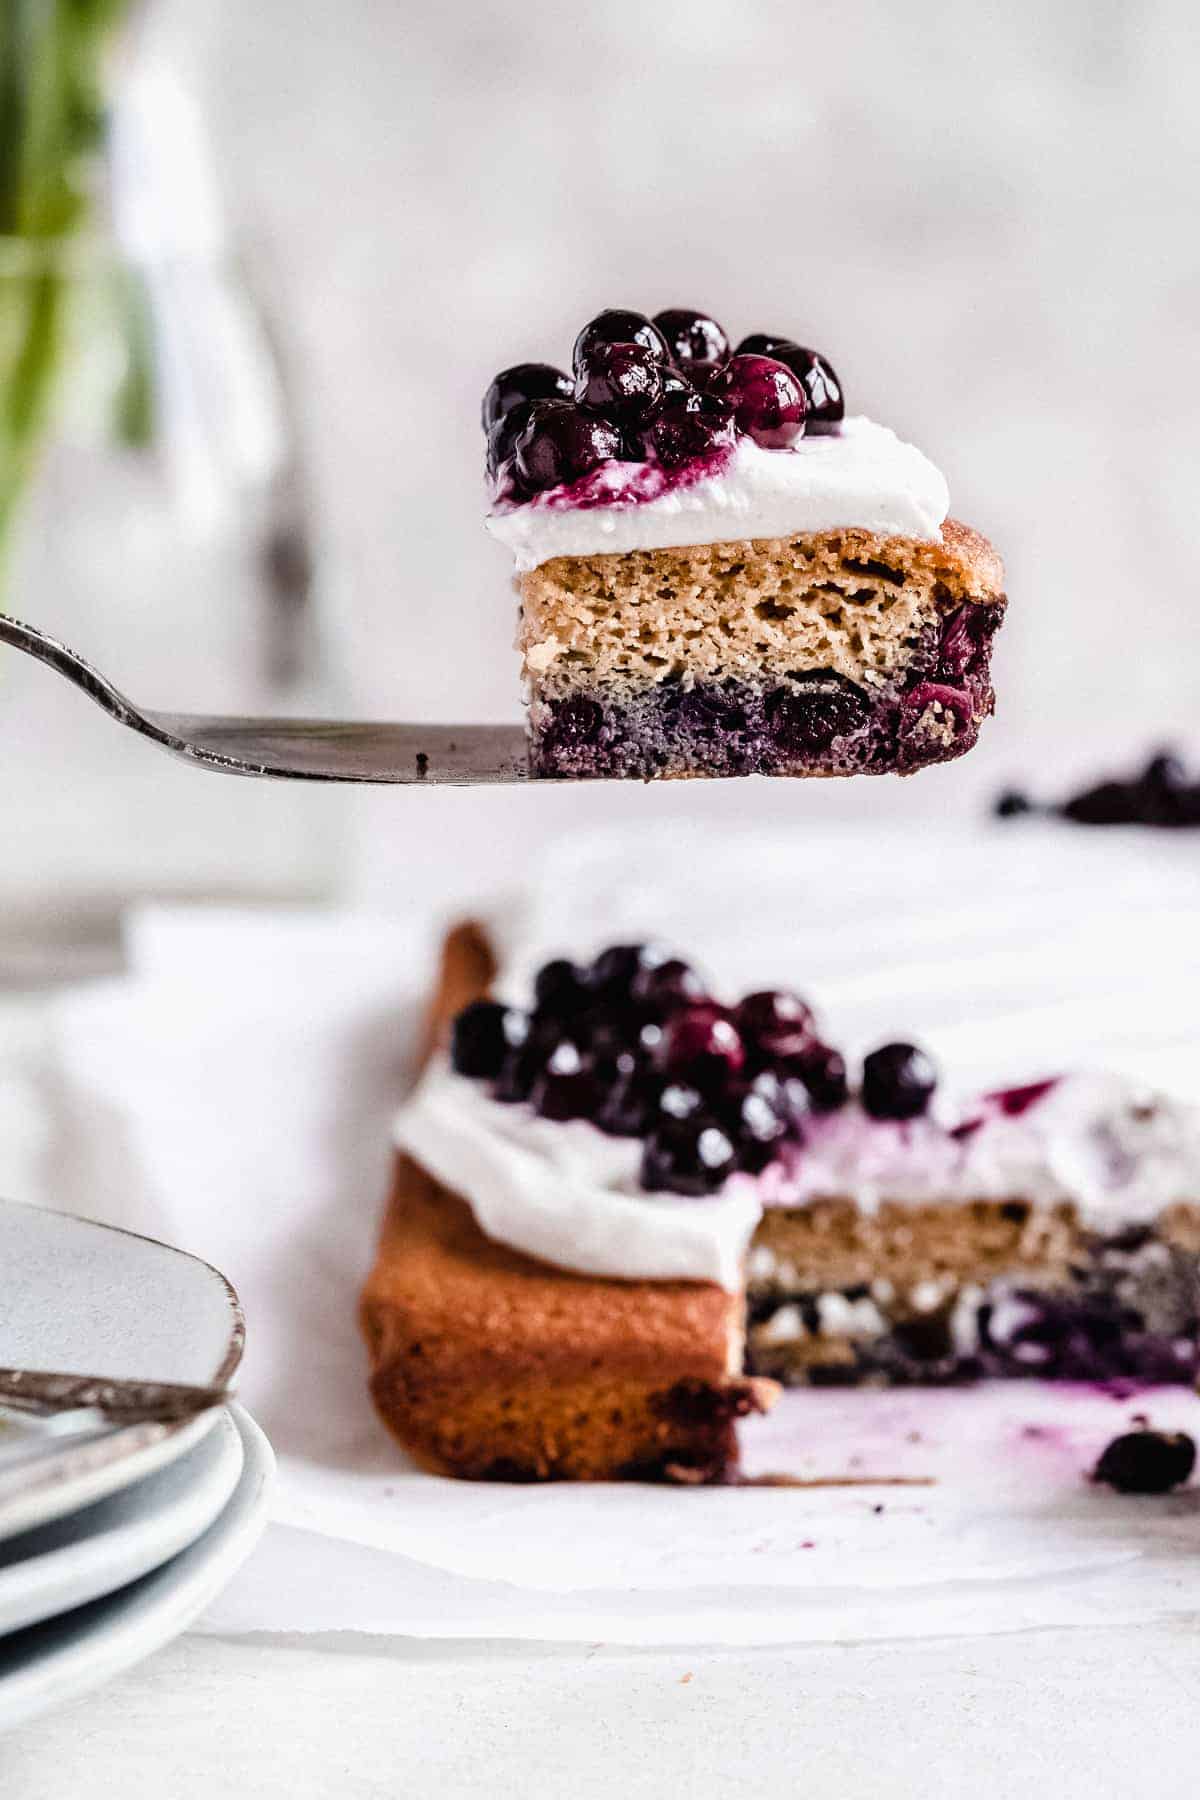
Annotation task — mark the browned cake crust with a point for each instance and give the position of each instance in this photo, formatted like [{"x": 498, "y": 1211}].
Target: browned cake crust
[{"x": 488, "y": 1364}]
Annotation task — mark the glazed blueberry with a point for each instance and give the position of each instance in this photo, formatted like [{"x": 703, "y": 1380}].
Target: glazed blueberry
[
  {"x": 1147, "y": 1462},
  {"x": 692, "y": 426},
  {"x": 694, "y": 340},
  {"x": 622, "y": 381},
  {"x": 526, "y": 1059},
  {"x": 676, "y": 386},
  {"x": 814, "y": 710},
  {"x": 768, "y": 401},
  {"x": 560, "y": 444},
  {"x": 822, "y": 1071},
  {"x": 679, "y": 1101},
  {"x": 664, "y": 987},
  {"x": 560, "y": 989},
  {"x": 612, "y": 975},
  {"x": 618, "y": 326},
  {"x": 898, "y": 1082},
  {"x": 482, "y": 1036},
  {"x": 503, "y": 435},
  {"x": 631, "y": 1092},
  {"x": 694, "y": 1157},
  {"x": 755, "y": 1120},
  {"x": 822, "y": 389},
  {"x": 567, "y": 1087},
  {"x": 701, "y": 1045},
  {"x": 611, "y": 1031},
  {"x": 785, "y": 1092},
  {"x": 776, "y": 1022},
  {"x": 522, "y": 383}
]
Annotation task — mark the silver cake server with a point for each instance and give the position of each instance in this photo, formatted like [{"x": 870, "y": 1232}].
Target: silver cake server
[{"x": 298, "y": 749}]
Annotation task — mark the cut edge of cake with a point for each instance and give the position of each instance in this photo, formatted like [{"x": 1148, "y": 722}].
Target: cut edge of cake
[{"x": 832, "y": 653}]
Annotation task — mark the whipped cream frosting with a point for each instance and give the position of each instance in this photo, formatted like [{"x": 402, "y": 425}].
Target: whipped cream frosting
[
  {"x": 569, "y": 1194},
  {"x": 863, "y": 476}
]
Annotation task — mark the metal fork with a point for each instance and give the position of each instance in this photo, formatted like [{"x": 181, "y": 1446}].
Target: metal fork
[{"x": 298, "y": 749}]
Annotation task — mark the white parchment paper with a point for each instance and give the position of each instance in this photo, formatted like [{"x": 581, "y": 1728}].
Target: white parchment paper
[{"x": 232, "y": 1095}]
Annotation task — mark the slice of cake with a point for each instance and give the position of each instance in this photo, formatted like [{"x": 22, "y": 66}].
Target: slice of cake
[
  {"x": 721, "y": 574},
  {"x": 622, "y": 1213}
]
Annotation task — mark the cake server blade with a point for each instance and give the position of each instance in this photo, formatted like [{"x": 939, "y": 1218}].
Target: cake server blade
[{"x": 297, "y": 749}]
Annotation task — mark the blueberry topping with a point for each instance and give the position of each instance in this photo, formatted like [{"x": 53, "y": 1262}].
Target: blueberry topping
[
  {"x": 701, "y": 1045},
  {"x": 560, "y": 989},
  {"x": 898, "y": 1082},
  {"x": 664, "y": 987},
  {"x": 676, "y": 386},
  {"x": 765, "y": 343},
  {"x": 692, "y": 1157},
  {"x": 777, "y": 1023},
  {"x": 523, "y": 382},
  {"x": 756, "y": 1119},
  {"x": 610, "y": 1031},
  {"x": 1147, "y": 1462},
  {"x": 822, "y": 389},
  {"x": 482, "y": 1036},
  {"x": 559, "y": 444},
  {"x": 814, "y": 710},
  {"x": 567, "y": 1087},
  {"x": 822, "y": 1072},
  {"x": 630, "y": 1101},
  {"x": 693, "y": 339},
  {"x": 515, "y": 1081},
  {"x": 622, "y": 381},
  {"x": 768, "y": 401},
  {"x": 502, "y": 436},
  {"x": 679, "y": 1101},
  {"x": 612, "y": 975},
  {"x": 690, "y": 426},
  {"x": 618, "y": 326}
]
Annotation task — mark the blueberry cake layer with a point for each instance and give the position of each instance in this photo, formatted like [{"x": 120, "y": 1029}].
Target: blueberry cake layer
[
  {"x": 970, "y": 1288},
  {"x": 624, "y": 1211},
  {"x": 833, "y": 653},
  {"x": 722, "y": 574}
]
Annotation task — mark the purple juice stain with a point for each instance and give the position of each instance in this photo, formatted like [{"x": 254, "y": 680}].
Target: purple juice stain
[{"x": 1013, "y": 1102}]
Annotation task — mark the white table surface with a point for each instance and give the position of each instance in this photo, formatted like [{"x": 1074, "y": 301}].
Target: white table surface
[{"x": 1083, "y": 1715}]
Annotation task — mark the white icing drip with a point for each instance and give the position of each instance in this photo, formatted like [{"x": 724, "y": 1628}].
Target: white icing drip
[
  {"x": 569, "y": 1194},
  {"x": 864, "y": 476}
]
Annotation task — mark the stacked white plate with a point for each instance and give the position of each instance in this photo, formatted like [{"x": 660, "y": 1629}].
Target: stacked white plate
[{"x": 113, "y": 1541}]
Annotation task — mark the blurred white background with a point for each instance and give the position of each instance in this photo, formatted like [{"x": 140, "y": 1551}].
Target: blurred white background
[{"x": 986, "y": 215}]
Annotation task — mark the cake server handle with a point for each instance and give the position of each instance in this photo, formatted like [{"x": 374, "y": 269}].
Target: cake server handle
[{"x": 297, "y": 749}]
